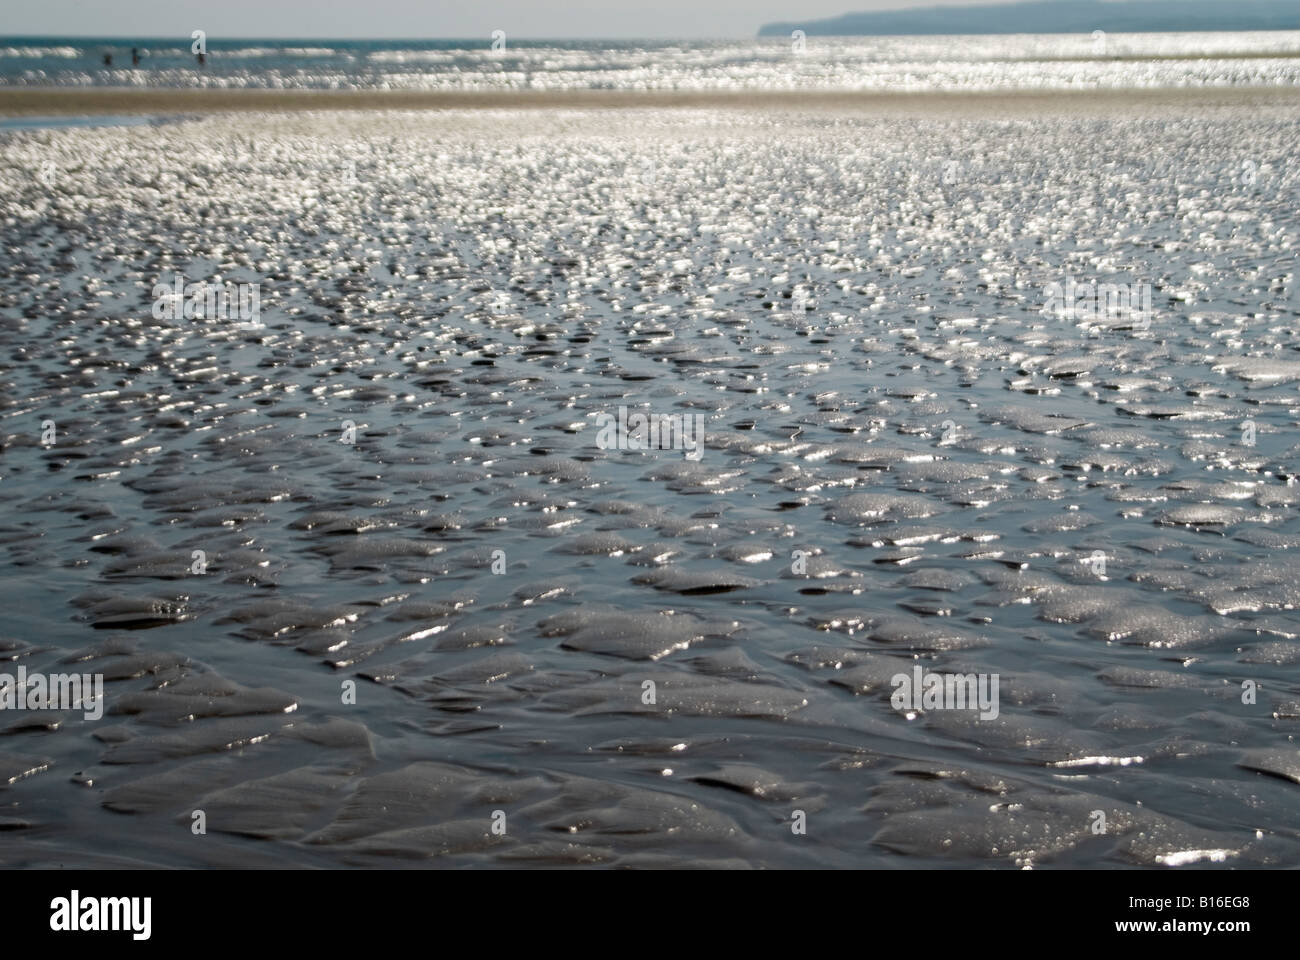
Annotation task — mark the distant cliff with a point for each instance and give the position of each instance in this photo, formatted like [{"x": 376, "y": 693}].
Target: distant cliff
[{"x": 1057, "y": 16}]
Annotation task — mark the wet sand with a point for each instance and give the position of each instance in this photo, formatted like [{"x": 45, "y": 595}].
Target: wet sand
[
  {"x": 40, "y": 101},
  {"x": 450, "y": 299}
]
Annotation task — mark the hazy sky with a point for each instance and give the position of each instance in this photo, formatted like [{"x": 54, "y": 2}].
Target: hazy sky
[{"x": 422, "y": 18}]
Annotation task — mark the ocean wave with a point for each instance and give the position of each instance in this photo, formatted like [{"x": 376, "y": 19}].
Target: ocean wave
[{"x": 37, "y": 53}]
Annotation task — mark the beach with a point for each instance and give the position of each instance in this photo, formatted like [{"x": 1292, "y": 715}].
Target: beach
[
  {"x": 319, "y": 444},
  {"x": 97, "y": 101}
]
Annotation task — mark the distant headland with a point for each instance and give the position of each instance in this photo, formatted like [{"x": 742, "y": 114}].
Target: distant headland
[{"x": 1056, "y": 16}]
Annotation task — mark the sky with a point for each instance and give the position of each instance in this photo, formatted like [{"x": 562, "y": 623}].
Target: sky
[{"x": 401, "y": 19}]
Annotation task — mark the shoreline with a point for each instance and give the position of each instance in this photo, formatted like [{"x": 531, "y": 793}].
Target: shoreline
[{"x": 117, "y": 101}]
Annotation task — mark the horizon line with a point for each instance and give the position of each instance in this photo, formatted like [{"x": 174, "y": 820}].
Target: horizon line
[{"x": 221, "y": 38}]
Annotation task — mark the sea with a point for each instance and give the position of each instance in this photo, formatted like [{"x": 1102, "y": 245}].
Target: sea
[{"x": 504, "y": 63}]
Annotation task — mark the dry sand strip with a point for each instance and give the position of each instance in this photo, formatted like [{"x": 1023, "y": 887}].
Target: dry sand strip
[{"x": 100, "y": 101}]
